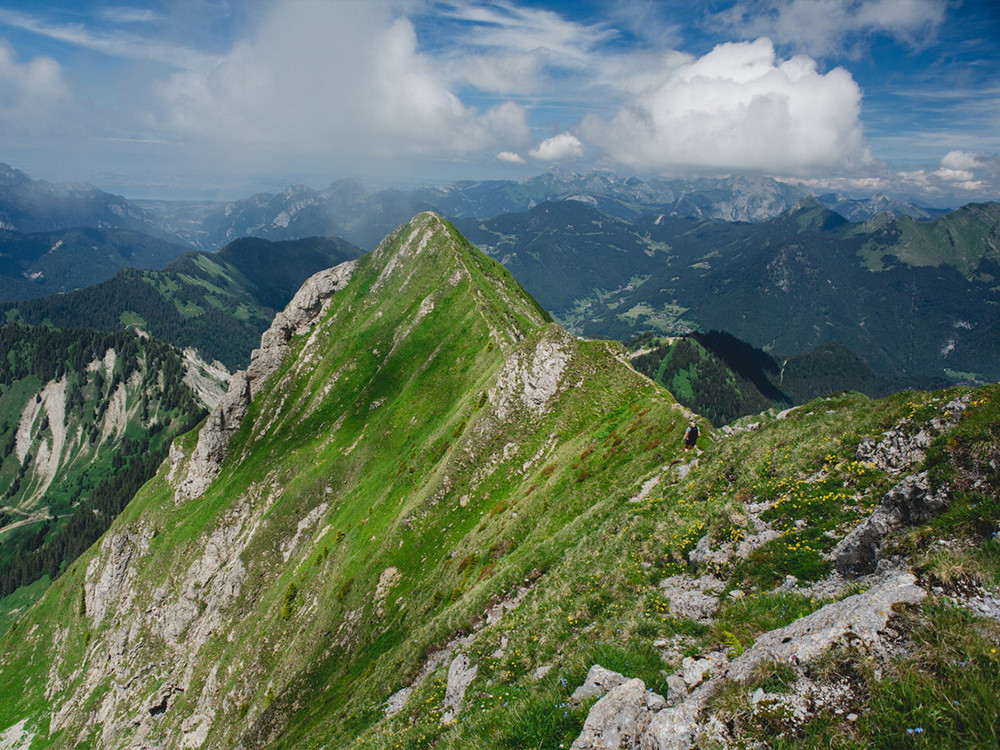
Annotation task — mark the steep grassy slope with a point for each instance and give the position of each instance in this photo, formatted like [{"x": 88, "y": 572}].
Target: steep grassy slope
[
  {"x": 436, "y": 483},
  {"x": 217, "y": 303}
]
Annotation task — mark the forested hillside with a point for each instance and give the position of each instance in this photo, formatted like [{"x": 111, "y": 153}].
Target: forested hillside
[
  {"x": 37, "y": 265},
  {"x": 86, "y": 417},
  {"x": 723, "y": 378},
  {"x": 216, "y": 303}
]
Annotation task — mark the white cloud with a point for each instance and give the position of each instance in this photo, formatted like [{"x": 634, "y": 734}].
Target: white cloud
[
  {"x": 958, "y": 178},
  {"x": 965, "y": 171},
  {"x": 738, "y": 108},
  {"x": 829, "y": 27},
  {"x": 109, "y": 42},
  {"x": 33, "y": 94},
  {"x": 562, "y": 147},
  {"x": 511, "y": 158},
  {"x": 123, "y": 14},
  {"x": 329, "y": 79}
]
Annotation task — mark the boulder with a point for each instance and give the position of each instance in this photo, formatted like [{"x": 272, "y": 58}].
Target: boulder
[
  {"x": 620, "y": 718},
  {"x": 858, "y": 619},
  {"x": 599, "y": 682}
]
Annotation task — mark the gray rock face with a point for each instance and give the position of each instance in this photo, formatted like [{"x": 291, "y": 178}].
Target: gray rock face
[
  {"x": 461, "y": 673},
  {"x": 693, "y": 598},
  {"x": 296, "y": 319},
  {"x": 675, "y": 728},
  {"x": 859, "y": 618},
  {"x": 903, "y": 447},
  {"x": 695, "y": 671},
  {"x": 111, "y": 574},
  {"x": 896, "y": 451},
  {"x": 620, "y": 718},
  {"x": 910, "y": 502},
  {"x": 531, "y": 380},
  {"x": 599, "y": 681}
]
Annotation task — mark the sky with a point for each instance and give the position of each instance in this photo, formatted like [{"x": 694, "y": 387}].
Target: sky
[{"x": 206, "y": 99}]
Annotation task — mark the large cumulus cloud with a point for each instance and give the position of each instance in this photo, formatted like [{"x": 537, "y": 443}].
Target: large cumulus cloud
[
  {"x": 328, "y": 79},
  {"x": 739, "y": 107}
]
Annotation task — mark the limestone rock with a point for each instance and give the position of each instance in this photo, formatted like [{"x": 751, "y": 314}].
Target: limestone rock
[
  {"x": 675, "y": 728},
  {"x": 16, "y": 737},
  {"x": 301, "y": 313},
  {"x": 111, "y": 574},
  {"x": 910, "y": 502},
  {"x": 695, "y": 671},
  {"x": 620, "y": 718},
  {"x": 903, "y": 446},
  {"x": 859, "y": 619},
  {"x": 599, "y": 682},
  {"x": 693, "y": 598},
  {"x": 461, "y": 673},
  {"x": 530, "y": 380}
]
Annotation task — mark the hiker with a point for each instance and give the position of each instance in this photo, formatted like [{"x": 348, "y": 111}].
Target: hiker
[{"x": 690, "y": 436}]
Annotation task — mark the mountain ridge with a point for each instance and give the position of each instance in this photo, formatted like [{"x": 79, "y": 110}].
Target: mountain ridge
[{"x": 441, "y": 512}]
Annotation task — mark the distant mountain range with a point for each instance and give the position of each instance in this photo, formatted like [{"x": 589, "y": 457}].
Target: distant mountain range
[
  {"x": 915, "y": 296},
  {"x": 346, "y": 209},
  {"x": 29, "y": 205}
]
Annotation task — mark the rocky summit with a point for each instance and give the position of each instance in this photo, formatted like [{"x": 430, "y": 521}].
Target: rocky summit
[{"x": 426, "y": 516}]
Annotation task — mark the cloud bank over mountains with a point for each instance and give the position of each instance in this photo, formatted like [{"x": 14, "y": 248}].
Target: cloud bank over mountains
[{"x": 300, "y": 90}]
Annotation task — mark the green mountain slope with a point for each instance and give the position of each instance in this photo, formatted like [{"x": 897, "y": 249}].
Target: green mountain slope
[
  {"x": 425, "y": 511},
  {"x": 36, "y": 265},
  {"x": 85, "y": 419},
  {"x": 217, "y": 303},
  {"x": 723, "y": 378}
]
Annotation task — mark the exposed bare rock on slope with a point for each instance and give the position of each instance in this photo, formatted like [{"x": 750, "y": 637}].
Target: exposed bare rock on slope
[
  {"x": 859, "y": 618},
  {"x": 620, "y": 718},
  {"x": 297, "y": 318},
  {"x": 910, "y": 502}
]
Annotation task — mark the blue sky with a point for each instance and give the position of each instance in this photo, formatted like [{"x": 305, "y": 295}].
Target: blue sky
[{"x": 219, "y": 98}]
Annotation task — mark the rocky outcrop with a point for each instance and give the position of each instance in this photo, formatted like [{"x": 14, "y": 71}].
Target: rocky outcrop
[
  {"x": 693, "y": 598},
  {"x": 620, "y": 718},
  {"x": 859, "y": 619},
  {"x": 599, "y": 681},
  {"x": 461, "y": 673},
  {"x": 296, "y": 319},
  {"x": 111, "y": 574},
  {"x": 914, "y": 500},
  {"x": 531, "y": 379},
  {"x": 905, "y": 445},
  {"x": 630, "y": 717}
]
